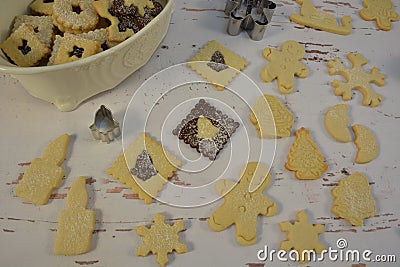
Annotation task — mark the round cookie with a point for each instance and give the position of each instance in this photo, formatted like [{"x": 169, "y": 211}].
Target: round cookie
[{"x": 74, "y": 16}]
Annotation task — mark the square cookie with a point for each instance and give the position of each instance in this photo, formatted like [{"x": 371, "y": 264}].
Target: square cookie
[
  {"x": 206, "y": 129},
  {"x": 217, "y": 64}
]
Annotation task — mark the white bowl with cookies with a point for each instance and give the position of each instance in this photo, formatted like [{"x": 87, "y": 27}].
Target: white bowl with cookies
[{"x": 71, "y": 60}]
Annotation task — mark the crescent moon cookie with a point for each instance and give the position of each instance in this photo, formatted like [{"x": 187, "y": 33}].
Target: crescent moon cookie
[
  {"x": 271, "y": 118},
  {"x": 337, "y": 121},
  {"x": 353, "y": 200},
  {"x": 366, "y": 144},
  {"x": 304, "y": 157}
]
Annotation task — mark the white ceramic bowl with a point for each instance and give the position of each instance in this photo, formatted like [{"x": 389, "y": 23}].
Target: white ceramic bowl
[{"x": 67, "y": 85}]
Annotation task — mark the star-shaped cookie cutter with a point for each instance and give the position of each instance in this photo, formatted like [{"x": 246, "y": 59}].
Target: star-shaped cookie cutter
[
  {"x": 249, "y": 15},
  {"x": 105, "y": 128}
]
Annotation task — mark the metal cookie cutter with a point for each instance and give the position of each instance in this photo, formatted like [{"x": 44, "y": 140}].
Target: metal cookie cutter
[
  {"x": 249, "y": 15},
  {"x": 105, "y": 128}
]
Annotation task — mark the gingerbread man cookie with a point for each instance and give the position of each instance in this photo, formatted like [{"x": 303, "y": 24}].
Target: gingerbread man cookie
[
  {"x": 244, "y": 201},
  {"x": 381, "y": 11},
  {"x": 284, "y": 65},
  {"x": 357, "y": 79}
]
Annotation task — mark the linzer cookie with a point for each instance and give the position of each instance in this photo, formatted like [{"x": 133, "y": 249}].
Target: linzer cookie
[
  {"x": 24, "y": 47},
  {"x": 206, "y": 129},
  {"x": 304, "y": 157},
  {"x": 217, "y": 64},
  {"x": 42, "y": 7},
  {"x": 242, "y": 205},
  {"x": 74, "y": 16},
  {"x": 42, "y": 25},
  {"x": 271, "y": 118},
  {"x": 126, "y": 17},
  {"x": 145, "y": 167},
  {"x": 353, "y": 200},
  {"x": 71, "y": 47},
  {"x": 99, "y": 35}
]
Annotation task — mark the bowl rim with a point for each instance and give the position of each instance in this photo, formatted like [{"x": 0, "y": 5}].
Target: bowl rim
[{"x": 13, "y": 69}]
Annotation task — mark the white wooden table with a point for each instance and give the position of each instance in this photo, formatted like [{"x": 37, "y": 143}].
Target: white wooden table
[{"x": 27, "y": 232}]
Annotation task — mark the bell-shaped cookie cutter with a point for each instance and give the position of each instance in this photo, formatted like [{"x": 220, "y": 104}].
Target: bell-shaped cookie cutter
[
  {"x": 249, "y": 15},
  {"x": 105, "y": 128}
]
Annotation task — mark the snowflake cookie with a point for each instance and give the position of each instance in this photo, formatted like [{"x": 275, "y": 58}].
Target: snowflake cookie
[
  {"x": 244, "y": 201},
  {"x": 304, "y": 157},
  {"x": 353, "y": 200},
  {"x": 161, "y": 239},
  {"x": 381, "y": 11},
  {"x": 356, "y": 79},
  {"x": 284, "y": 65},
  {"x": 302, "y": 236}
]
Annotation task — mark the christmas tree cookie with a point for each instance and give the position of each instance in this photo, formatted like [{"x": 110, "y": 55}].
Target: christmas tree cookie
[
  {"x": 353, "y": 200},
  {"x": 304, "y": 157}
]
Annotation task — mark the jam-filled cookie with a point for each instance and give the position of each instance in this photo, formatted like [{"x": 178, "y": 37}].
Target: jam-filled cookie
[
  {"x": 75, "y": 16},
  {"x": 71, "y": 48},
  {"x": 42, "y": 7},
  {"x": 43, "y": 26},
  {"x": 24, "y": 47}
]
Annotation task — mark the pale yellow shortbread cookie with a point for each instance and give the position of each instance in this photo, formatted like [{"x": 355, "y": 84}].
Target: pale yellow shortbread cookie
[
  {"x": 161, "y": 239},
  {"x": 44, "y": 175},
  {"x": 271, "y": 118},
  {"x": 284, "y": 65},
  {"x": 157, "y": 165},
  {"x": 317, "y": 19},
  {"x": 212, "y": 63},
  {"x": 353, "y": 200},
  {"x": 304, "y": 157},
  {"x": 356, "y": 79},
  {"x": 366, "y": 144},
  {"x": 301, "y": 236},
  {"x": 76, "y": 223},
  {"x": 337, "y": 121},
  {"x": 205, "y": 129},
  {"x": 381, "y": 11},
  {"x": 243, "y": 203}
]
